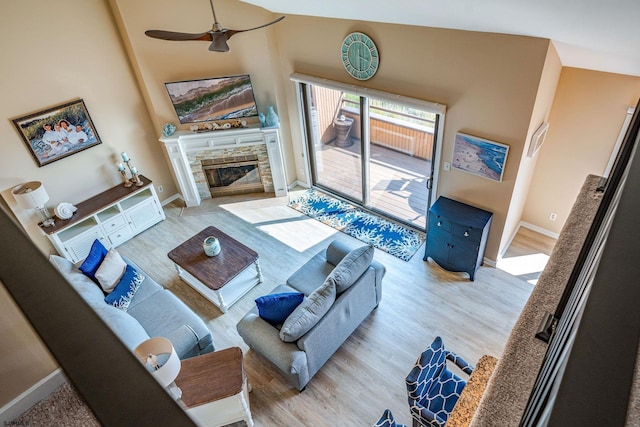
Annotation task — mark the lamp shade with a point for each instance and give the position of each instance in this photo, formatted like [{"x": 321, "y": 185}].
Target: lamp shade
[
  {"x": 160, "y": 349},
  {"x": 31, "y": 195}
]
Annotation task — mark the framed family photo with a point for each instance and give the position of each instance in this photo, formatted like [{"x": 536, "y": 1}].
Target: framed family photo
[
  {"x": 480, "y": 156},
  {"x": 57, "y": 132}
]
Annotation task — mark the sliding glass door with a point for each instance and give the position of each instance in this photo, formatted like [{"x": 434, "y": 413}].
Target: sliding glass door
[
  {"x": 376, "y": 152},
  {"x": 335, "y": 151},
  {"x": 401, "y": 147}
]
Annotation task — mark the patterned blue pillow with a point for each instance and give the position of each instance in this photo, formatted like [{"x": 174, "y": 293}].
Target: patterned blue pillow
[
  {"x": 126, "y": 288},
  {"x": 275, "y": 308},
  {"x": 92, "y": 262}
]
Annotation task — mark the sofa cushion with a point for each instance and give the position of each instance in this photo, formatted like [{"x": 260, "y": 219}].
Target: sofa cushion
[
  {"x": 275, "y": 308},
  {"x": 311, "y": 275},
  {"x": 309, "y": 312},
  {"x": 147, "y": 288},
  {"x": 130, "y": 332},
  {"x": 126, "y": 288},
  {"x": 162, "y": 312},
  {"x": 88, "y": 290},
  {"x": 351, "y": 267},
  {"x": 91, "y": 263},
  {"x": 110, "y": 271}
]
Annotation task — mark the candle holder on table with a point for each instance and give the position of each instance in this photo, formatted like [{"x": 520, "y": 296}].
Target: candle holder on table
[{"x": 135, "y": 176}]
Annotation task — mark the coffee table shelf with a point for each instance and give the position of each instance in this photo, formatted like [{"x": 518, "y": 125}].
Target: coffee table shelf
[{"x": 222, "y": 279}]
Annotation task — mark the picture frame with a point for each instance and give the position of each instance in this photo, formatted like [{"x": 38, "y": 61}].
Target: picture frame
[
  {"x": 537, "y": 139},
  {"x": 57, "y": 132},
  {"x": 479, "y": 156}
]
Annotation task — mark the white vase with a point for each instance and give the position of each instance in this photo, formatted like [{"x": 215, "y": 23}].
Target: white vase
[{"x": 211, "y": 246}]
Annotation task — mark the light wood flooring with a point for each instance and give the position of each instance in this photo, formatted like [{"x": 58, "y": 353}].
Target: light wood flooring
[
  {"x": 527, "y": 255},
  {"x": 366, "y": 375},
  {"x": 398, "y": 184}
]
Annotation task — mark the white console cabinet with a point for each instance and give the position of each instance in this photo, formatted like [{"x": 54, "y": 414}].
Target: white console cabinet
[{"x": 113, "y": 216}]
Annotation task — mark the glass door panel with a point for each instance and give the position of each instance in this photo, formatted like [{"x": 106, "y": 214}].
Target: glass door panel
[
  {"x": 334, "y": 123},
  {"x": 401, "y": 150}
]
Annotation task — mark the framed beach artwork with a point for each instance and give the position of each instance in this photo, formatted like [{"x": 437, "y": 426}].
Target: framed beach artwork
[
  {"x": 479, "y": 156},
  {"x": 57, "y": 132}
]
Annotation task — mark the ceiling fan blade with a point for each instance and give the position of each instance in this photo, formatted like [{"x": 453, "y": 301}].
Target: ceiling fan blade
[
  {"x": 171, "y": 35},
  {"x": 230, "y": 33},
  {"x": 219, "y": 42}
]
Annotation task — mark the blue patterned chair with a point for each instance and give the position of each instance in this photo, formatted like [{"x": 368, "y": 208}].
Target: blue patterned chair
[
  {"x": 386, "y": 420},
  {"x": 432, "y": 389}
]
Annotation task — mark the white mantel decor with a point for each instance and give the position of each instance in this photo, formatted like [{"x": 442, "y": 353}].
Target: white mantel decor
[{"x": 185, "y": 149}]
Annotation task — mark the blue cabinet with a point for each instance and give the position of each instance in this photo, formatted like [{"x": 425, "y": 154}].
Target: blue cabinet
[{"x": 457, "y": 235}]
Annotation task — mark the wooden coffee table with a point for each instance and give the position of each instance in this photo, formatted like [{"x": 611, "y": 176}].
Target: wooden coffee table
[{"x": 222, "y": 279}]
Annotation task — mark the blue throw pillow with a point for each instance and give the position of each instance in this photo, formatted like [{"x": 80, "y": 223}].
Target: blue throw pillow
[
  {"x": 126, "y": 288},
  {"x": 91, "y": 263},
  {"x": 275, "y": 308}
]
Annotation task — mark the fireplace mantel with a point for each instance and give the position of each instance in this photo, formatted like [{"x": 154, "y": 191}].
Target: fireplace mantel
[{"x": 181, "y": 143}]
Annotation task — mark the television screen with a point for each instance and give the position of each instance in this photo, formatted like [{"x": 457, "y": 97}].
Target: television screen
[{"x": 220, "y": 98}]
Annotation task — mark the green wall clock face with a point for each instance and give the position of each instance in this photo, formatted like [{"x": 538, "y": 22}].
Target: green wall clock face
[{"x": 360, "y": 56}]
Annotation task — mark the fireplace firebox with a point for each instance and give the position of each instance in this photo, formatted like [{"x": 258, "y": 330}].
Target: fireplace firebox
[{"x": 233, "y": 175}]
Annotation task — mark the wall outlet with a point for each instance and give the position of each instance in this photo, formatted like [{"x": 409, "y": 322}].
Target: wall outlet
[
  {"x": 301, "y": 172},
  {"x": 553, "y": 216},
  {"x": 160, "y": 188},
  {"x": 447, "y": 166}
]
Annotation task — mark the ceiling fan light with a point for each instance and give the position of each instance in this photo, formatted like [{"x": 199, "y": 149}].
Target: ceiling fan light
[{"x": 219, "y": 43}]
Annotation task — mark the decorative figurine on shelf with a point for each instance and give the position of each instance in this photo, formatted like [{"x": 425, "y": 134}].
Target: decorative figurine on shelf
[
  {"x": 272, "y": 118},
  {"x": 263, "y": 120},
  {"x": 135, "y": 176},
  {"x": 168, "y": 129},
  {"x": 64, "y": 210}
]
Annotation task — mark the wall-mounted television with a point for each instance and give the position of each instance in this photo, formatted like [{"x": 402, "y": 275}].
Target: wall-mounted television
[{"x": 210, "y": 99}]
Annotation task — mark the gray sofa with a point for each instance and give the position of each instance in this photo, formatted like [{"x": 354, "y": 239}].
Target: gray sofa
[
  {"x": 153, "y": 312},
  {"x": 299, "y": 361}
]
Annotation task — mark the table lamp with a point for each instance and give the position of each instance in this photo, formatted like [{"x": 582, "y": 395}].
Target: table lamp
[
  {"x": 32, "y": 195},
  {"x": 161, "y": 359}
]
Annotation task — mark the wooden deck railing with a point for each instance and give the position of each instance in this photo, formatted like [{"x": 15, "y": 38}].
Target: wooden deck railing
[{"x": 401, "y": 135}]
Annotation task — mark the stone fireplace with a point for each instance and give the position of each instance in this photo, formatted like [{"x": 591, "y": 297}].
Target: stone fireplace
[
  {"x": 226, "y": 162},
  {"x": 233, "y": 175}
]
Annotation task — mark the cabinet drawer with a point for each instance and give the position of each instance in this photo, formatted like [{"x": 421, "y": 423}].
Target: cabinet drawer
[
  {"x": 120, "y": 236},
  {"x": 437, "y": 222},
  {"x": 113, "y": 223},
  {"x": 465, "y": 232}
]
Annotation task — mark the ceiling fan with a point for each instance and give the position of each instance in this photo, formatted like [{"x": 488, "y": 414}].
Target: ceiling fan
[{"x": 218, "y": 35}]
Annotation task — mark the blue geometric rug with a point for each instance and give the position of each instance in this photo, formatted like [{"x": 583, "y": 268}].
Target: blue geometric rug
[{"x": 385, "y": 235}]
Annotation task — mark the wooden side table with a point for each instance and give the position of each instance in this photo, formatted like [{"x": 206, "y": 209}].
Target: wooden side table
[{"x": 215, "y": 389}]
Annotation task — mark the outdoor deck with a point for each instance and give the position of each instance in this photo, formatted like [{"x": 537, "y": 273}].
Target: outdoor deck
[{"x": 397, "y": 180}]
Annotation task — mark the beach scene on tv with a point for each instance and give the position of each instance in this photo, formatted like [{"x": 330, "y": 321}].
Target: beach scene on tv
[{"x": 223, "y": 98}]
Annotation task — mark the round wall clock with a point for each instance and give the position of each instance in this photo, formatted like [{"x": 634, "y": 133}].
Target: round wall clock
[{"x": 360, "y": 56}]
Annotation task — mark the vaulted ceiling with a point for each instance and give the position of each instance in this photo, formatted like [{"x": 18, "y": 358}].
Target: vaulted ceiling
[{"x": 592, "y": 34}]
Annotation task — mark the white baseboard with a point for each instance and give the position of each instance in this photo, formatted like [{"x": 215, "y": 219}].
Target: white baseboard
[
  {"x": 532, "y": 227},
  {"x": 171, "y": 199},
  {"x": 489, "y": 262},
  {"x": 31, "y": 396},
  {"x": 539, "y": 230},
  {"x": 298, "y": 184}
]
